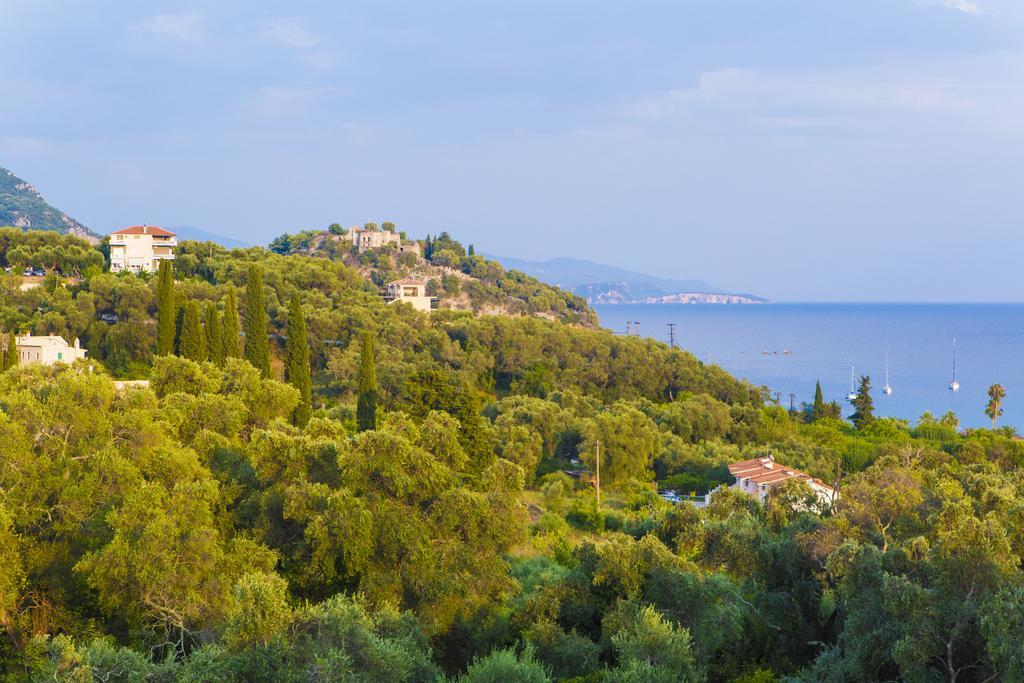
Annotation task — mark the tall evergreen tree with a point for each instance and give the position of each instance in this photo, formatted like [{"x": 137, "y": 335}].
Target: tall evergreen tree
[
  {"x": 193, "y": 336},
  {"x": 471, "y": 251},
  {"x": 863, "y": 406},
  {"x": 166, "y": 311},
  {"x": 10, "y": 355},
  {"x": 366, "y": 406},
  {"x": 214, "y": 342},
  {"x": 818, "y": 411},
  {"x": 257, "y": 323},
  {"x": 230, "y": 328},
  {"x": 296, "y": 369}
]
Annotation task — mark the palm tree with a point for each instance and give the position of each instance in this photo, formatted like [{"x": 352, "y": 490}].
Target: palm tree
[{"x": 996, "y": 394}]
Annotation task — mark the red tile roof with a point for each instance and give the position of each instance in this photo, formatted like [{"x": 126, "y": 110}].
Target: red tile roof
[
  {"x": 144, "y": 230},
  {"x": 767, "y": 471}
]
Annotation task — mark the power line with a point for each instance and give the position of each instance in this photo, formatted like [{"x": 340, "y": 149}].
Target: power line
[{"x": 671, "y": 335}]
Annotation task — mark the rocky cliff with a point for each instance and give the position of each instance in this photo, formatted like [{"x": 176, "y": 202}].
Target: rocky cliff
[{"x": 22, "y": 206}]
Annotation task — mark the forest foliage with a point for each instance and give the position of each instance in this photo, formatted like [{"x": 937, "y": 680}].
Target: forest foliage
[{"x": 243, "y": 523}]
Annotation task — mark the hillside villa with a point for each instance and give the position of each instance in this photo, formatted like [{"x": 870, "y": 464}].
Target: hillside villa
[
  {"x": 759, "y": 476},
  {"x": 140, "y": 248},
  {"x": 47, "y": 350},
  {"x": 412, "y": 291}
]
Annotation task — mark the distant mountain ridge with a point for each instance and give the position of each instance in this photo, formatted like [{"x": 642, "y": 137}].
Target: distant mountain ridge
[
  {"x": 603, "y": 284},
  {"x": 22, "y": 206},
  {"x": 190, "y": 232}
]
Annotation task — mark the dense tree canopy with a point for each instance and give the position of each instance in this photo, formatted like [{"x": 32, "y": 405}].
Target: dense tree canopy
[{"x": 194, "y": 529}]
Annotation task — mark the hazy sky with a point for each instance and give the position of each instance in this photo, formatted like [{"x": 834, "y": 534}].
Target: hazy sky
[{"x": 798, "y": 149}]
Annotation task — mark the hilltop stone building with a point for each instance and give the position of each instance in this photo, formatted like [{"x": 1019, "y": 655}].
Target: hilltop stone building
[
  {"x": 47, "y": 350},
  {"x": 140, "y": 248},
  {"x": 364, "y": 239},
  {"x": 412, "y": 291}
]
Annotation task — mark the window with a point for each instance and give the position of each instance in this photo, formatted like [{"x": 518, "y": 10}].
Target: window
[{"x": 60, "y": 356}]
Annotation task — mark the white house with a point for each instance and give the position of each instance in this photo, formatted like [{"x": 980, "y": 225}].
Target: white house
[
  {"x": 140, "y": 248},
  {"x": 411, "y": 291},
  {"x": 47, "y": 350},
  {"x": 757, "y": 477}
]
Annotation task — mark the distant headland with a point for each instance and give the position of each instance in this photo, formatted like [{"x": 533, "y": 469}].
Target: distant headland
[{"x": 603, "y": 284}]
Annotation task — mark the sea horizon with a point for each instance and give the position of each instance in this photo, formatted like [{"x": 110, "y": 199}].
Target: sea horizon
[{"x": 789, "y": 346}]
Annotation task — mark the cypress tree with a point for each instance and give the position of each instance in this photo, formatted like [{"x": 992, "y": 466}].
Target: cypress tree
[
  {"x": 863, "y": 406},
  {"x": 366, "y": 406},
  {"x": 818, "y": 411},
  {"x": 214, "y": 343},
  {"x": 230, "y": 328},
  {"x": 10, "y": 355},
  {"x": 166, "y": 312},
  {"x": 257, "y": 343},
  {"x": 471, "y": 251},
  {"x": 193, "y": 337},
  {"x": 296, "y": 368}
]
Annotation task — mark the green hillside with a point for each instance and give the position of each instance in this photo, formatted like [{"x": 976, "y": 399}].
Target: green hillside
[
  {"x": 314, "y": 485},
  {"x": 461, "y": 279},
  {"x": 22, "y": 206}
]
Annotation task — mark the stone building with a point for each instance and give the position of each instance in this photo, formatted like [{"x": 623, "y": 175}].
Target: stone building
[{"x": 364, "y": 239}]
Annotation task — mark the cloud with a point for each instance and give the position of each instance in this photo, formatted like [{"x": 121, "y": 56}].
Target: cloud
[
  {"x": 817, "y": 96},
  {"x": 966, "y": 6},
  {"x": 186, "y": 26},
  {"x": 292, "y": 33}
]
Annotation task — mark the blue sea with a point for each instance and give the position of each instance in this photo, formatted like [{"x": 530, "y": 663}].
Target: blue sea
[{"x": 787, "y": 347}]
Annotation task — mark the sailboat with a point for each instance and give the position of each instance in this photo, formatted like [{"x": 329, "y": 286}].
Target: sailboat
[
  {"x": 887, "y": 389},
  {"x": 853, "y": 385},
  {"x": 954, "y": 385}
]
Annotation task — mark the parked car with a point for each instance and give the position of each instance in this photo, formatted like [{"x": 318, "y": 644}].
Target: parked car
[
  {"x": 670, "y": 496},
  {"x": 39, "y": 272},
  {"x": 108, "y": 318},
  {"x": 27, "y": 272}
]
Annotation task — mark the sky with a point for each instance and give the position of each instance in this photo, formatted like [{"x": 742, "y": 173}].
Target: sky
[{"x": 825, "y": 150}]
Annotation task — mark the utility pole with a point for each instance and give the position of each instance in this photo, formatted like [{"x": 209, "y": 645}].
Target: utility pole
[
  {"x": 671, "y": 335},
  {"x": 629, "y": 329},
  {"x": 636, "y": 328},
  {"x": 792, "y": 405},
  {"x": 598, "y": 456},
  {"x": 778, "y": 398}
]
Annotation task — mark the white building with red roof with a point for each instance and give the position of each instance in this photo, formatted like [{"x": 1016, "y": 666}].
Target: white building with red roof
[
  {"x": 757, "y": 477},
  {"x": 140, "y": 248}
]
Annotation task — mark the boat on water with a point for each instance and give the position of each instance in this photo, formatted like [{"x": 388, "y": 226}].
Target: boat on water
[
  {"x": 852, "y": 396},
  {"x": 887, "y": 389},
  {"x": 954, "y": 385}
]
